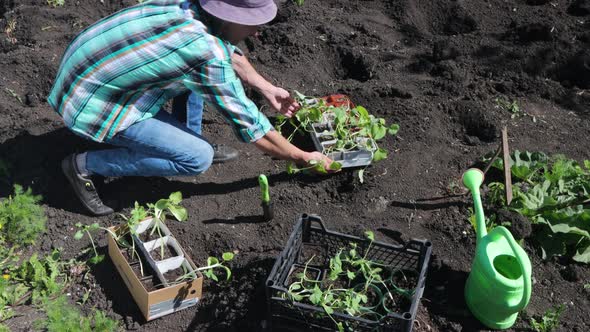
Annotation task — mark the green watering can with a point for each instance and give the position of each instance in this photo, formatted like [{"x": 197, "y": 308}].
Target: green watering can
[{"x": 499, "y": 285}]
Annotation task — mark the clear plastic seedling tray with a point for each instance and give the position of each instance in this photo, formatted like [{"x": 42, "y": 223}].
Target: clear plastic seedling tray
[{"x": 323, "y": 136}]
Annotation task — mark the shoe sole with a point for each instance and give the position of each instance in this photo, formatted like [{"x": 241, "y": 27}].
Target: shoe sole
[{"x": 65, "y": 168}]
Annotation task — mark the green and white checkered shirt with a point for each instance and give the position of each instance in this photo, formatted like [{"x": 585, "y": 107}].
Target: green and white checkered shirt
[{"x": 123, "y": 68}]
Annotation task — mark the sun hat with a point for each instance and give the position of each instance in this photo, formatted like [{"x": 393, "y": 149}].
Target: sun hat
[{"x": 245, "y": 12}]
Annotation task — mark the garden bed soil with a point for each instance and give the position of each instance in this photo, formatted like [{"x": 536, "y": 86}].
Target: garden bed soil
[{"x": 434, "y": 67}]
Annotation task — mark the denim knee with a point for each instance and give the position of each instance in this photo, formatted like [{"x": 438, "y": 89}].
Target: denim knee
[{"x": 196, "y": 161}]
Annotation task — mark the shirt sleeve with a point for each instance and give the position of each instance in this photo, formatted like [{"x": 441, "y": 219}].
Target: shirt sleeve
[{"x": 216, "y": 81}]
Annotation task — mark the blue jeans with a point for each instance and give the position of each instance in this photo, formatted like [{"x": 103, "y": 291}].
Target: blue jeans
[{"x": 165, "y": 145}]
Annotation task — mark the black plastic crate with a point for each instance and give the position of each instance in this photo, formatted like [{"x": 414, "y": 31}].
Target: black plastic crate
[{"x": 310, "y": 230}]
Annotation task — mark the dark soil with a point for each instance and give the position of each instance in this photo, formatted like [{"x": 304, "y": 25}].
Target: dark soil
[
  {"x": 169, "y": 251},
  {"x": 434, "y": 67},
  {"x": 313, "y": 254},
  {"x": 172, "y": 275},
  {"x": 310, "y": 274}
]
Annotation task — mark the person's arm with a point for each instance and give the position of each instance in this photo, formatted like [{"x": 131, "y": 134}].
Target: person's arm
[{"x": 279, "y": 98}]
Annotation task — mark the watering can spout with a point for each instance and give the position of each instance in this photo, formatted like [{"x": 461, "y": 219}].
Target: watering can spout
[{"x": 472, "y": 179}]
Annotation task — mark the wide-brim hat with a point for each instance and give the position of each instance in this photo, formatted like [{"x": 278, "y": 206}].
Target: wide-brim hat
[{"x": 245, "y": 12}]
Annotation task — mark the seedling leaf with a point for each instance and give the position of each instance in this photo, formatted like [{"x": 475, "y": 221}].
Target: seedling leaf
[{"x": 227, "y": 256}]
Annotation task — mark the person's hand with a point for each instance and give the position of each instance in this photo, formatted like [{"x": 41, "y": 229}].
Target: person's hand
[
  {"x": 281, "y": 101},
  {"x": 328, "y": 164}
]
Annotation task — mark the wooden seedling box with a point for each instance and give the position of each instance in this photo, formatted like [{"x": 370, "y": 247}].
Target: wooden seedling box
[{"x": 159, "y": 302}]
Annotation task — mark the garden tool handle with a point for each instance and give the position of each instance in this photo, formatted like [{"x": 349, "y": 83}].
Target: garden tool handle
[
  {"x": 526, "y": 290},
  {"x": 265, "y": 195}
]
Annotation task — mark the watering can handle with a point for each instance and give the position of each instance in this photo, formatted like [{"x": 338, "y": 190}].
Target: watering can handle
[{"x": 526, "y": 276}]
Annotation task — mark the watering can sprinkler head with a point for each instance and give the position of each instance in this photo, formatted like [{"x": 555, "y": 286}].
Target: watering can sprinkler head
[{"x": 472, "y": 179}]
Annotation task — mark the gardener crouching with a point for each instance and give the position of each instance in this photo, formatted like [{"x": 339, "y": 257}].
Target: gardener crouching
[{"x": 116, "y": 75}]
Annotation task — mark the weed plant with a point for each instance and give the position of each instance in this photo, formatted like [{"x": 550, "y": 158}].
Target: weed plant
[
  {"x": 22, "y": 219},
  {"x": 61, "y": 317},
  {"x": 549, "y": 321},
  {"x": 554, "y": 194}
]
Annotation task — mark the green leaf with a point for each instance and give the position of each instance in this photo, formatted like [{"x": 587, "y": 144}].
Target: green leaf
[
  {"x": 335, "y": 166},
  {"x": 228, "y": 271},
  {"x": 96, "y": 259},
  {"x": 370, "y": 235},
  {"x": 351, "y": 275},
  {"x": 79, "y": 234},
  {"x": 292, "y": 168},
  {"x": 378, "y": 131},
  {"x": 227, "y": 256},
  {"x": 175, "y": 197},
  {"x": 587, "y": 164},
  {"x": 212, "y": 261},
  {"x": 316, "y": 295},
  {"x": 393, "y": 129},
  {"x": 583, "y": 252},
  {"x": 295, "y": 286},
  {"x": 363, "y": 113},
  {"x": 380, "y": 154},
  {"x": 178, "y": 212}
]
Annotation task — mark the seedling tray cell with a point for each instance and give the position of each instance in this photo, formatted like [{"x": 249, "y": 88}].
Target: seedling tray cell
[
  {"x": 309, "y": 229},
  {"x": 154, "y": 247}
]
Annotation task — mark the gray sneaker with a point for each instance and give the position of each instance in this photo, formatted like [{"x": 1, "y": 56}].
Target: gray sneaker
[
  {"x": 223, "y": 153},
  {"x": 84, "y": 188}
]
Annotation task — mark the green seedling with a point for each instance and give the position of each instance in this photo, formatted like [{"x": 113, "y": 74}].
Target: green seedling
[
  {"x": 56, "y": 3},
  {"x": 511, "y": 107},
  {"x": 549, "y": 321},
  {"x": 316, "y": 166},
  {"x": 22, "y": 219},
  {"x": 214, "y": 263},
  {"x": 88, "y": 229},
  {"x": 299, "y": 2}
]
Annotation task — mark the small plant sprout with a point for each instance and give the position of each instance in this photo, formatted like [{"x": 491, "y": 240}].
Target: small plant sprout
[
  {"x": 315, "y": 166},
  {"x": 56, "y": 3},
  {"x": 14, "y": 95},
  {"x": 162, "y": 209},
  {"x": 9, "y": 30},
  {"x": 549, "y": 321},
  {"x": 511, "y": 107},
  {"x": 214, "y": 263},
  {"x": 87, "y": 229}
]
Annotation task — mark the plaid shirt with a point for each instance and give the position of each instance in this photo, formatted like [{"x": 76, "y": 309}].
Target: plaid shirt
[{"x": 123, "y": 68}]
